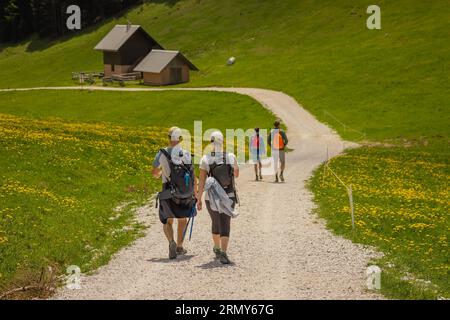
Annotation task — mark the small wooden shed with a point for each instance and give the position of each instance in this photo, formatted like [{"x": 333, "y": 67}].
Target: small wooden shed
[
  {"x": 124, "y": 47},
  {"x": 165, "y": 67}
]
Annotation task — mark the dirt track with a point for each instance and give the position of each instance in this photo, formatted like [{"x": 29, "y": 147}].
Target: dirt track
[{"x": 280, "y": 249}]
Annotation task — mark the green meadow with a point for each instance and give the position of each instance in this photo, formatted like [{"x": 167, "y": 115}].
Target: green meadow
[
  {"x": 387, "y": 89},
  {"x": 68, "y": 190},
  {"x": 320, "y": 52},
  {"x": 162, "y": 109},
  {"x": 402, "y": 206},
  {"x": 76, "y": 164}
]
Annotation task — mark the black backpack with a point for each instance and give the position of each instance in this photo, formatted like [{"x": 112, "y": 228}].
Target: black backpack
[
  {"x": 223, "y": 173},
  {"x": 180, "y": 188}
]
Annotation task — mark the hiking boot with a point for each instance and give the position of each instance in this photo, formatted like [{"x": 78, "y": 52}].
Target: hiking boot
[
  {"x": 181, "y": 251},
  {"x": 281, "y": 177},
  {"x": 224, "y": 258},
  {"x": 217, "y": 252},
  {"x": 172, "y": 250}
]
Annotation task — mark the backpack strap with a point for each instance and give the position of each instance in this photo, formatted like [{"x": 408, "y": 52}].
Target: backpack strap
[
  {"x": 213, "y": 165},
  {"x": 166, "y": 154},
  {"x": 171, "y": 164},
  {"x": 230, "y": 170}
]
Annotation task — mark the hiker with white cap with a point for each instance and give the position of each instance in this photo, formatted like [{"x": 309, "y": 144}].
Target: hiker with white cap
[
  {"x": 177, "y": 198},
  {"x": 218, "y": 170}
]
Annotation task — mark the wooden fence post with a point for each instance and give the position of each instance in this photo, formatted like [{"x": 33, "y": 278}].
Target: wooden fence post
[{"x": 352, "y": 211}]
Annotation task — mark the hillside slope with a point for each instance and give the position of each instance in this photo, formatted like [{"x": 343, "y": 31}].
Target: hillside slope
[{"x": 319, "y": 52}]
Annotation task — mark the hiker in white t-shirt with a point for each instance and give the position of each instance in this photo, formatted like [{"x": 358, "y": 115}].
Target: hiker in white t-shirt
[
  {"x": 177, "y": 198},
  {"x": 224, "y": 168}
]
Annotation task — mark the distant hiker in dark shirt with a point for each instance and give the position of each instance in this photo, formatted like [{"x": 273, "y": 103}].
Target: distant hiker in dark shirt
[
  {"x": 257, "y": 148},
  {"x": 277, "y": 140},
  {"x": 177, "y": 198}
]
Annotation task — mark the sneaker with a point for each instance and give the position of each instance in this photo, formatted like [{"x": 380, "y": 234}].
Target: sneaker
[
  {"x": 217, "y": 252},
  {"x": 282, "y": 177},
  {"x": 276, "y": 178},
  {"x": 260, "y": 176},
  {"x": 224, "y": 258},
  {"x": 256, "y": 179},
  {"x": 172, "y": 250},
  {"x": 181, "y": 251}
]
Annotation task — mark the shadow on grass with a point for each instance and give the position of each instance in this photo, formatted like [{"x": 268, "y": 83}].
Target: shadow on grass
[
  {"x": 39, "y": 44},
  {"x": 169, "y": 3}
]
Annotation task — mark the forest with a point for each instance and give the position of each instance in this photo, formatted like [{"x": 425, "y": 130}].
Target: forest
[{"x": 47, "y": 18}]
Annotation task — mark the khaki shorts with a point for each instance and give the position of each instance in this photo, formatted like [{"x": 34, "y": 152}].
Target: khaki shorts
[{"x": 278, "y": 155}]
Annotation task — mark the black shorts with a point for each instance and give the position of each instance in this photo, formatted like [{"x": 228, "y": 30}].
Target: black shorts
[{"x": 168, "y": 209}]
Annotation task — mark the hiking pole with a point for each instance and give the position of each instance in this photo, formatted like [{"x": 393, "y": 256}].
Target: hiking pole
[
  {"x": 185, "y": 229},
  {"x": 192, "y": 226},
  {"x": 191, "y": 216}
]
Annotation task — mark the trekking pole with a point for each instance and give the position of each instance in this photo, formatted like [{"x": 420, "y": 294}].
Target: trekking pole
[
  {"x": 192, "y": 216},
  {"x": 192, "y": 226},
  {"x": 185, "y": 229}
]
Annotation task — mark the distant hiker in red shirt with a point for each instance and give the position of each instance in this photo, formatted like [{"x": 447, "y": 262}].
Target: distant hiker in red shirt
[
  {"x": 257, "y": 149},
  {"x": 277, "y": 140}
]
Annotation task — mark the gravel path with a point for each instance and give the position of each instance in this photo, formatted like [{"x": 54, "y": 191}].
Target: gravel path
[{"x": 280, "y": 249}]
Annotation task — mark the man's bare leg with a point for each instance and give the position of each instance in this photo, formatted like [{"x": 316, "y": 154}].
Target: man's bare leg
[
  {"x": 181, "y": 227},
  {"x": 283, "y": 164},
  {"x": 168, "y": 229},
  {"x": 256, "y": 171},
  {"x": 260, "y": 168}
]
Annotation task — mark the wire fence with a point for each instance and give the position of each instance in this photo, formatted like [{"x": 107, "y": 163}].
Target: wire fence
[
  {"x": 347, "y": 187},
  {"x": 345, "y": 126}
]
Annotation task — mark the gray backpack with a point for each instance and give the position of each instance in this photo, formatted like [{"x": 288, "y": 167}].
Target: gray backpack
[{"x": 180, "y": 188}]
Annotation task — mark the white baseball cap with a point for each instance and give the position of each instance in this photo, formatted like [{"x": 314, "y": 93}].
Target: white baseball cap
[
  {"x": 217, "y": 137},
  {"x": 175, "y": 134}
]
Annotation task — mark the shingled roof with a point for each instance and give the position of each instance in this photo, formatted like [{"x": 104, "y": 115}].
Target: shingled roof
[
  {"x": 115, "y": 39},
  {"x": 157, "y": 60}
]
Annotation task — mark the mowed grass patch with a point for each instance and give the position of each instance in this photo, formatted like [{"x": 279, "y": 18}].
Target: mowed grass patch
[
  {"x": 164, "y": 109},
  {"x": 60, "y": 183},
  {"x": 388, "y": 83},
  {"x": 402, "y": 205}
]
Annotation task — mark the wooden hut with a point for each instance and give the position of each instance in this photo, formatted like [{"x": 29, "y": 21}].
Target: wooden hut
[
  {"x": 164, "y": 67},
  {"x": 124, "y": 47}
]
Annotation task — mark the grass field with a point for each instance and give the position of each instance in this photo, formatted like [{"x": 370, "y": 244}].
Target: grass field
[
  {"x": 65, "y": 169},
  {"x": 402, "y": 203},
  {"x": 60, "y": 183},
  {"x": 164, "y": 109},
  {"x": 320, "y": 52},
  {"x": 391, "y": 84}
]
